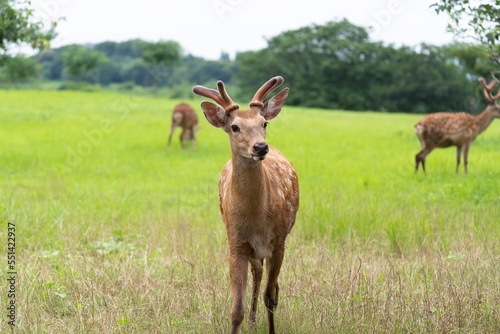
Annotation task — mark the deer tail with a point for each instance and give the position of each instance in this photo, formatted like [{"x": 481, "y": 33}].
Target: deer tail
[{"x": 419, "y": 129}]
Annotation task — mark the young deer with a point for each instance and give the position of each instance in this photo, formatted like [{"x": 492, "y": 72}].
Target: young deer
[
  {"x": 185, "y": 117},
  {"x": 460, "y": 129},
  {"x": 258, "y": 195}
]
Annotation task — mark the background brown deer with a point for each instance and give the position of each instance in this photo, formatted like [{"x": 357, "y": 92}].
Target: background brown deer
[
  {"x": 258, "y": 195},
  {"x": 455, "y": 129},
  {"x": 185, "y": 117}
]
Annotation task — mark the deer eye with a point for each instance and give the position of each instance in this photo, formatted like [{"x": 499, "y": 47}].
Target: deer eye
[
  {"x": 265, "y": 124},
  {"x": 235, "y": 128}
]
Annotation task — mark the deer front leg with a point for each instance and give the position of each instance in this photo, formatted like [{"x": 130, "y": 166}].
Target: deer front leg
[
  {"x": 417, "y": 163},
  {"x": 420, "y": 157},
  {"x": 466, "y": 155},
  {"x": 272, "y": 288},
  {"x": 238, "y": 269},
  {"x": 459, "y": 152},
  {"x": 171, "y": 133},
  {"x": 257, "y": 278}
]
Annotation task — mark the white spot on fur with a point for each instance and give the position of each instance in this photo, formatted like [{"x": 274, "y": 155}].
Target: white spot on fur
[{"x": 281, "y": 193}]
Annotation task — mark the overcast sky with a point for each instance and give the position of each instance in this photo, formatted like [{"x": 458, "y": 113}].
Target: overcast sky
[{"x": 207, "y": 27}]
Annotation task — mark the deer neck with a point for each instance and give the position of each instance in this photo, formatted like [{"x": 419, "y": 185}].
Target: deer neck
[
  {"x": 249, "y": 184},
  {"x": 483, "y": 120}
]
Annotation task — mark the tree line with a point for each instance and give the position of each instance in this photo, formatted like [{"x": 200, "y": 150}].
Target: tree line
[
  {"x": 133, "y": 62},
  {"x": 334, "y": 65}
]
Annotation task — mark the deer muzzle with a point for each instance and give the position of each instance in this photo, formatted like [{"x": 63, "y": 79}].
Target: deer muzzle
[{"x": 261, "y": 149}]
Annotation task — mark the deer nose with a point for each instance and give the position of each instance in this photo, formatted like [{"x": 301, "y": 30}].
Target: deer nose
[{"x": 261, "y": 149}]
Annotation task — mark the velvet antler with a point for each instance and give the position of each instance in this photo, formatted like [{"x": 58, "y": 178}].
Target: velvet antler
[
  {"x": 488, "y": 88},
  {"x": 263, "y": 92},
  {"x": 221, "y": 96}
]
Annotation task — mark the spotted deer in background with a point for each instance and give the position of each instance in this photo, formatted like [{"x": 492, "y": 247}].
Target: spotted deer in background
[
  {"x": 185, "y": 117},
  {"x": 258, "y": 195},
  {"x": 455, "y": 129}
]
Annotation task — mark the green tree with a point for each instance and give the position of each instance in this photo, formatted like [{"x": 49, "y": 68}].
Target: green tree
[
  {"x": 108, "y": 48},
  {"x": 126, "y": 64},
  {"x": 52, "y": 63},
  {"x": 109, "y": 72},
  {"x": 135, "y": 71},
  {"x": 336, "y": 66},
  {"x": 78, "y": 60},
  {"x": 19, "y": 68},
  {"x": 130, "y": 49},
  {"x": 303, "y": 56},
  {"x": 41, "y": 42},
  {"x": 17, "y": 25},
  {"x": 473, "y": 60},
  {"x": 479, "y": 19},
  {"x": 161, "y": 54}
]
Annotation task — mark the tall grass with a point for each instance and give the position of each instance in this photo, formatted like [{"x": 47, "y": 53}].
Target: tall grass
[{"x": 115, "y": 233}]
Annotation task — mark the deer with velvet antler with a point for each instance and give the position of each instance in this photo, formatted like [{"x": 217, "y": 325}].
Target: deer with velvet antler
[
  {"x": 258, "y": 195},
  {"x": 455, "y": 129}
]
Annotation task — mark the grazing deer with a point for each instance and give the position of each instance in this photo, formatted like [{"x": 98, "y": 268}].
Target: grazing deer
[
  {"x": 455, "y": 129},
  {"x": 185, "y": 117},
  {"x": 258, "y": 195}
]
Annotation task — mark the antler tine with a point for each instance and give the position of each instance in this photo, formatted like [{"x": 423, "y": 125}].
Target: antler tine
[
  {"x": 208, "y": 92},
  {"x": 492, "y": 84},
  {"x": 221, "y": 96},
  {"x": 496, "y": 97},
  {"x": 488, "y": 88},
  {"x": 229, "y": 104},
  {"x": 263, "y": 92}
]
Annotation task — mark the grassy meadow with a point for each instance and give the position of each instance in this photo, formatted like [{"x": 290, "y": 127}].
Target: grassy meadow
[{"x": 116, "y": 234}]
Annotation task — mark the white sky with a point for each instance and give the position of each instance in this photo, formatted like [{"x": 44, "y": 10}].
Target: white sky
[{"x": 207, "y": 27}]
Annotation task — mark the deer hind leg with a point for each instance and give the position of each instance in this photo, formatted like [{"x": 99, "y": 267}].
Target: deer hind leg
[
  {"x": 184, "y": 137},
  {"x": 272, "y": 288},
  {"x": 238, "y": 269},
  {"x": 257, "y": 278},
  {"x": 459, "y": 152},
  {"x": 193, "y": 136}
]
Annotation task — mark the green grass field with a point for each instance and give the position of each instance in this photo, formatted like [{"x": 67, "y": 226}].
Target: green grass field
[{"x": 116, "y": 234}]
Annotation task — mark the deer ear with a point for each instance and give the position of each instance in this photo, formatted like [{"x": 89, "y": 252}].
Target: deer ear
[
  {"x": 272, "y": 108},
  {"x": 214, "y": 114}
]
